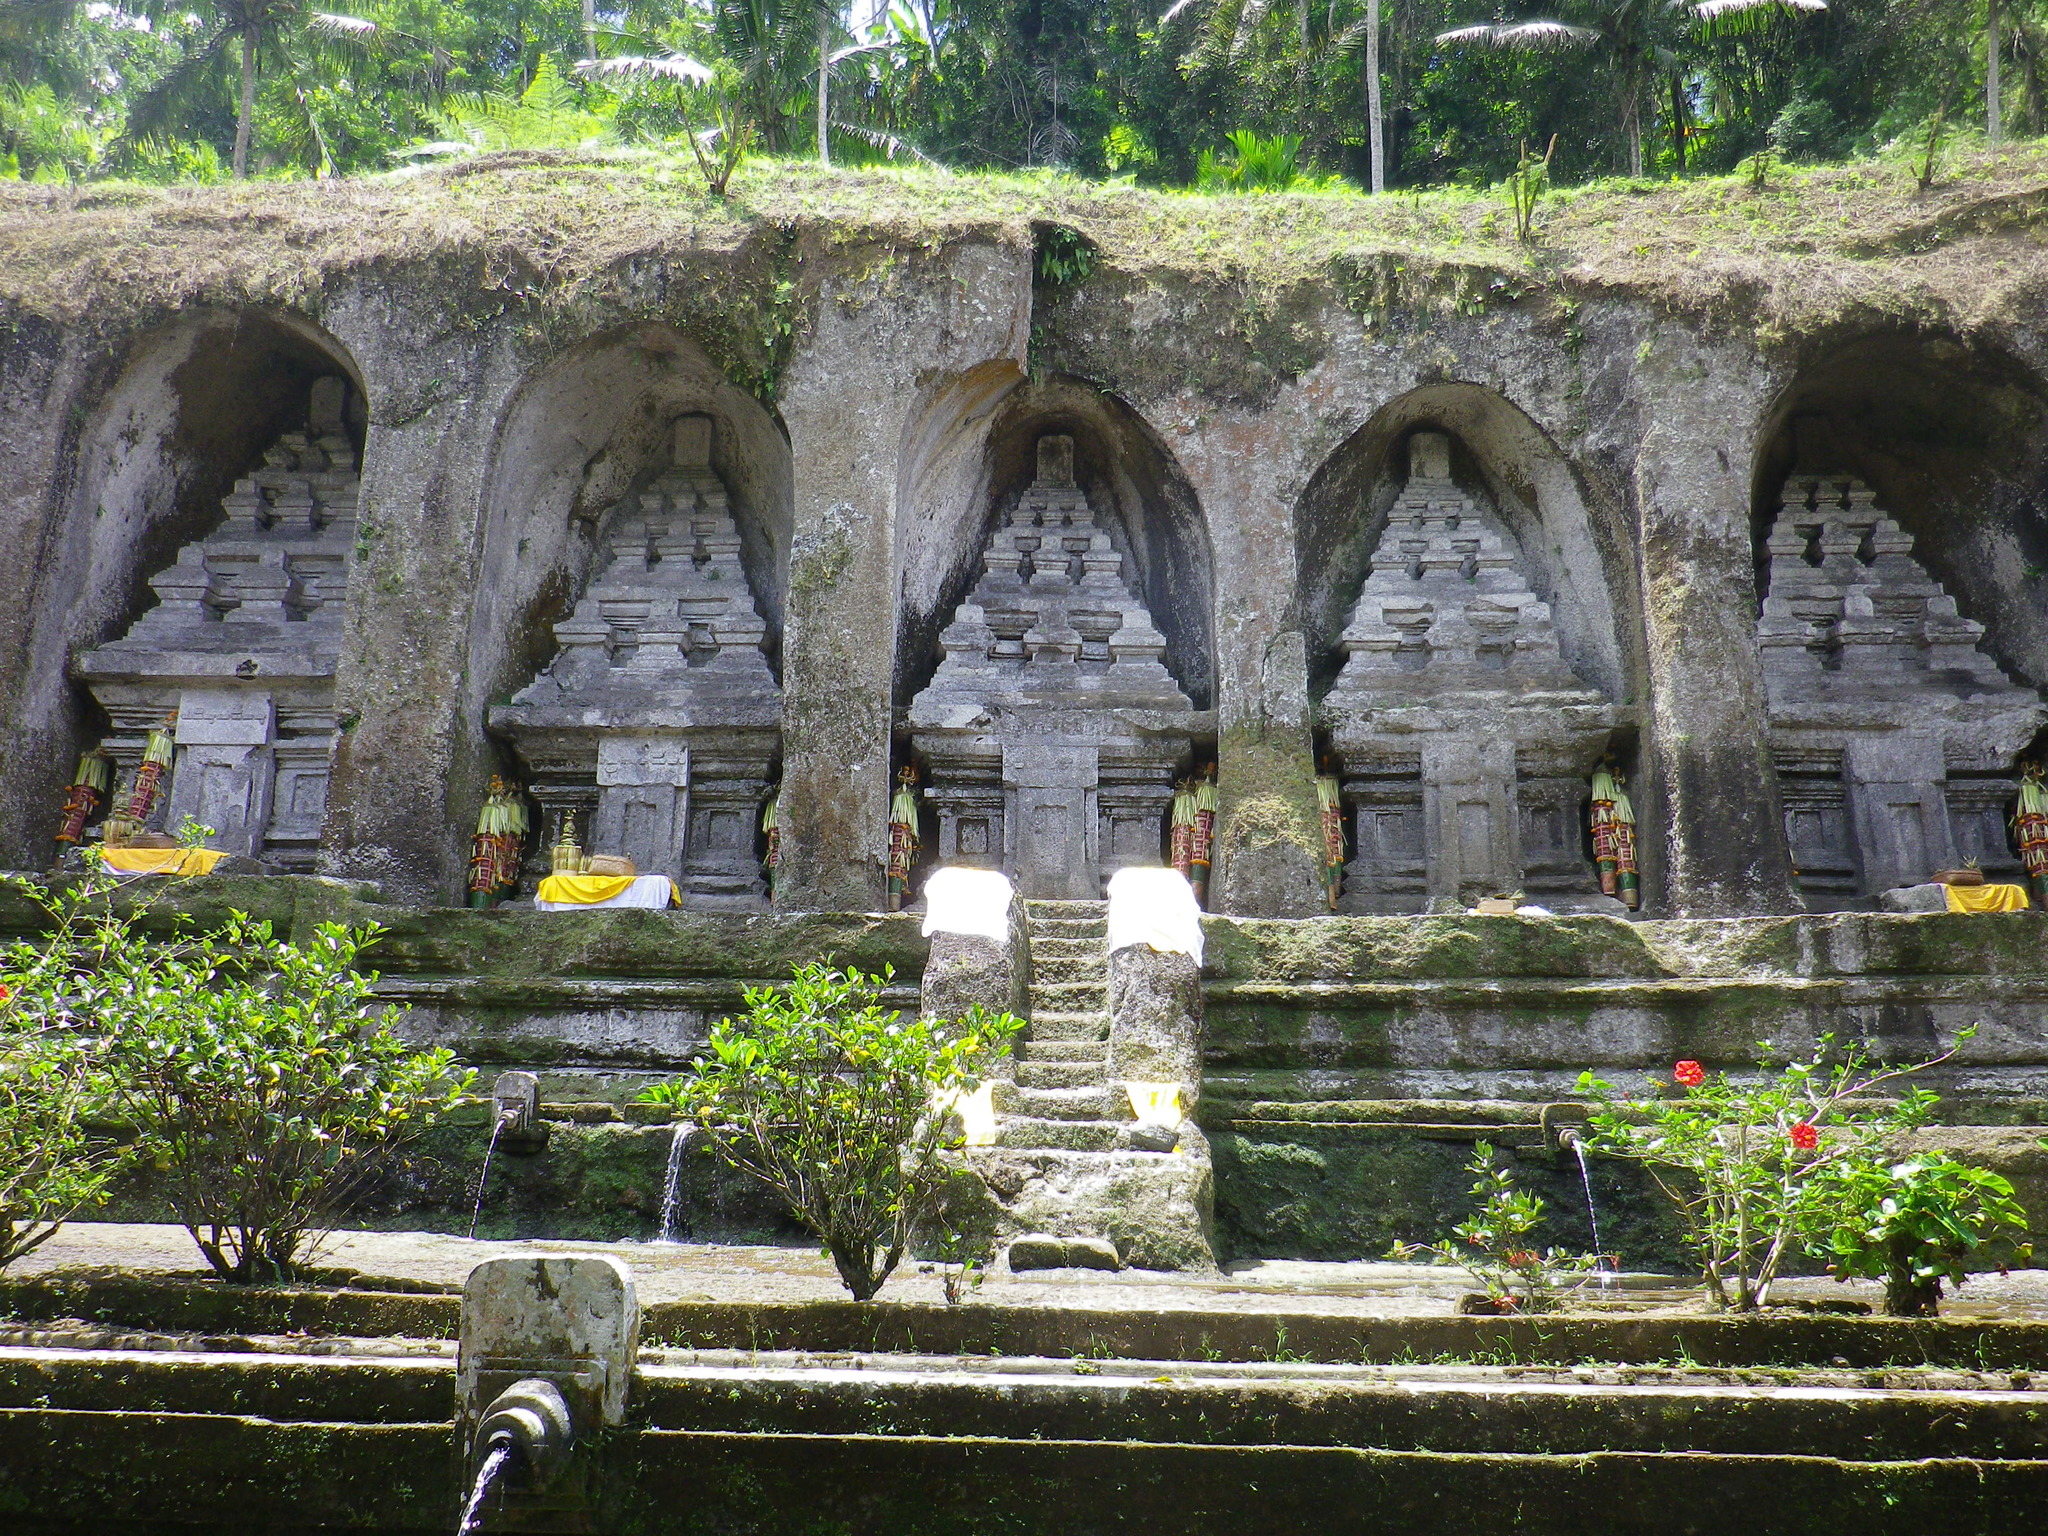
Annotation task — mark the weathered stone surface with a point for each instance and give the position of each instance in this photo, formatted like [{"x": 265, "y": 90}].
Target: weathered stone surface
[
  {"x": 963, "y": 971},
  {"x": 1155, "y": 1020},
  {"x": 1038, "y": 1250},
  {"x": 1931, "y": 897},
  {"x": 573, "y": 1321}
]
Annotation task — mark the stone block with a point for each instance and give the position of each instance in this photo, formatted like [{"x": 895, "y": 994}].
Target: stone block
[
  {"x": 572, "y": 1321},
  {"x": 1037, "y": 1250}
]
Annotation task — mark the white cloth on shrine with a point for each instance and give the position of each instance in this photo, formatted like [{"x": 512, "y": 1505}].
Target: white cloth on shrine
[
  {"x": 649, "y": 891},
  {"x": 1157, "y": 908},
  {"x": 968, "y": 901}
]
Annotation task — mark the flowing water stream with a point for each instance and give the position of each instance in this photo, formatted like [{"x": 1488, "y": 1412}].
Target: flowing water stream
[
  {"x": 1602, "y": 1269},
  {"x": 670, "y": 1215},
  {"x": 484, "y": 1178},
  {"x": 493, "y": 1467}
]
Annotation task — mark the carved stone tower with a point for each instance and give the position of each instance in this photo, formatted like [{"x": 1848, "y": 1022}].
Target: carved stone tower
[
  {"x": 1894, "y": 735},
  {"x": 659, "y": 720},
  {"x": 1465, "y": 739},
  {"x": 242, "y": 645},
  {"x": 1052, "y": 727}
]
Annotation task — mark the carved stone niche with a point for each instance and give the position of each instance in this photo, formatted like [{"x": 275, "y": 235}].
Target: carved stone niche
[
  {"x": 1052, "y": 728},
  {"x": 242, "y": 646},
  {"x": 658, "y": 721},
  {"x": 1894, "y": 736},
  {"x": 1464, "y": 740}
]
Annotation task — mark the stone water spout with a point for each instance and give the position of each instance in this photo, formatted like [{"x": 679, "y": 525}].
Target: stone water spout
[{"x": 546, "y": 1356}]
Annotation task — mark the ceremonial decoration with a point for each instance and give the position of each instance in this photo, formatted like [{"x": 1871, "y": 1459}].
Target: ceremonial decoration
[
  {"x": 87, "y": 793},
  {"x": 496, "y": 849},
  {"x": 902, "y": 837},
  {"x": 1204, "y": 841},
  {"x": 157, "y": 755},
  {"x": 1614, "y": 838},
  {"x": 1182, "y": 835},
  {"x": 2030, "y": 830},
  {"x": 1332, "y": 804},
  {"x": 771, "y": 828},
  {"x": 566, "y": 857}
]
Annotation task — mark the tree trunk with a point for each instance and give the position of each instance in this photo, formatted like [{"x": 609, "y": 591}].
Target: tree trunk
[
  {"x": 1678, "y": 123},
  {"x": 824, "y": 85},
  {"x": 1372, "y": 95},
  {"x": 1993, "y": 126},
  {"x": 590, "y": 29},
  {"x": 245, "y": 108}
]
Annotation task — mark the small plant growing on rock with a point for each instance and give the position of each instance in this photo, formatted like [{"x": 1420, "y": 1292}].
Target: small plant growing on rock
[
  {"x": 1748, "y": 1165},
  {"x": 836, "y": 1103},
  {"x": 1913, "y": 1223},
  {"x": 1495, "y": 1247}
]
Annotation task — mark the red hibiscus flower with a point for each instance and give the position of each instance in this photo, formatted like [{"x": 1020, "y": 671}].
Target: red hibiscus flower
[
  {"x": 1805, "y": 1137},
  {"x": 6, "y": 993},
  {"x": 1690, "y": 1073}
]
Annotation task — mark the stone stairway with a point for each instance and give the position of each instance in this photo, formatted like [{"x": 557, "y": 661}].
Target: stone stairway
[{"x": 1069, "y": 1156}]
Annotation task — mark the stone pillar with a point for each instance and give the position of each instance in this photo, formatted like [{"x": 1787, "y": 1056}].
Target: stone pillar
[
  {"x": 1155, "y": 1020},
  {"x": 1707, "y": 742},
  {"x": 1898, "y": 801},
  {"x": 225, "y": 769},
  {"x": 969, "y": 966}
]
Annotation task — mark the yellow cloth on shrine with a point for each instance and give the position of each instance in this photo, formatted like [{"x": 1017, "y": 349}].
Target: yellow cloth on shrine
[
  {"x": 1986, "y": 898},
  {"x": 583, "y": 890},
  {"x": 1155, "y": 1103},
  {"x": 162, "y": 861}
]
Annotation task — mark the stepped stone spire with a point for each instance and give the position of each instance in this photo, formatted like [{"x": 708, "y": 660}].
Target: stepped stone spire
[
  {"x": 1463, "y": 732},
  {"x": 1894, "y": 734},
  {"x": 242, "y": 646},
  {"x": 1052, "y": 725},
  {"x": 661, "y": 694}
]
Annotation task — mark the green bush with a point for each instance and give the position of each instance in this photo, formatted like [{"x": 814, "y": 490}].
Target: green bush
[
  {"x": 837, "y": 1104},
  {"x": 1750, "y": 1166},
  {"x": 262, "y": 1082},
  {"x": 1912, "y": 1224},
  {"x": 259, "y": 1080}
]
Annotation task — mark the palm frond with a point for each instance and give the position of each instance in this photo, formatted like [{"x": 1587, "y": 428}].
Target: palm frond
[
  {"x": 889, "y": 143},
  {"x": 1534, "y": 36},
  {"x": 1167, "y": 17},
  {"x": 151, "y": 112},
  {"x": 666, "y": 66},
  {"x": 1716, "y": 10}
]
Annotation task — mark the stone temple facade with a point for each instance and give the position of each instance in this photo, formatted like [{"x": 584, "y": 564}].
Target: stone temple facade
[
  {"x": 657, "y": 724},
  {"x": 1465, "y": 741},
  {"x": 1052, "y": 728},
  {"x": 241, "y": 649},
  {"x": 1893, "y": 733}
]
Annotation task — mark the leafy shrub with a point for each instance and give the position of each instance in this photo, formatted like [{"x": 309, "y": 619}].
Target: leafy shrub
[
  {"x": 261, "y": 1083},
  {"x": 1747, "y": 1164},
  {"x": 1913, "y": 1223},
  {"x": 836, "y": 1103},
  {"x": 1493, "y": 1244},
  {"x": 1256, "y": 164}
]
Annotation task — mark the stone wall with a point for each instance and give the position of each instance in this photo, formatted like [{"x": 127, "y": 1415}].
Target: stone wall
[{"x": 877, "y": 389}]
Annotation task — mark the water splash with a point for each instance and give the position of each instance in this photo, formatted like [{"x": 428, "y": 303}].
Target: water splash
[
  {"x": 670, "y": 1214},
  {"x": 484, "y": 1178},
  {"x": 1601, "y": 1270},
  {"x": 494, "y": 1464}
]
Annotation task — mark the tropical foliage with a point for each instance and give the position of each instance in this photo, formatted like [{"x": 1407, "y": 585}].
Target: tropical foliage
[
  {"x": 840, "y": 1105},
  {"x": 1227, "y": 94}
]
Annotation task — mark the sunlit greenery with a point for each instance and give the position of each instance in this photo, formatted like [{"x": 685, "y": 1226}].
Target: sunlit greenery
[{"x": 1231, "y": 95}]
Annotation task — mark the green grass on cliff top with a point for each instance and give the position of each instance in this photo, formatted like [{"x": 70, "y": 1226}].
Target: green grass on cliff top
[{"x": 1812, "y": 237}]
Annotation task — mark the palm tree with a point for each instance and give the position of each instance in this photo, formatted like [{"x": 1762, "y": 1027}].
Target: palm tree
[{"x": 1638, "y": 38}]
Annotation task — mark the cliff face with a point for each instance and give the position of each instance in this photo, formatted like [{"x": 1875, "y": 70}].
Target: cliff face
[{"x": 880, "y": 353}]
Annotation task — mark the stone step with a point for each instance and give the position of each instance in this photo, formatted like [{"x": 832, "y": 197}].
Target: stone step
[
  {"x": 1041, "y": 1050},
  {"x": 1058, "y": 968},
  {"x": 1042, "y": 911},
  {"x": 1070, "y": 1026},
  {"x": 1024, "y": 1133},
  {"x": 1059, "y": 1074},
  {"x": 1068, "y": 996},
  {"x": 1056, "y": 948},
  {"x": 1094, "y": 1103}
]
